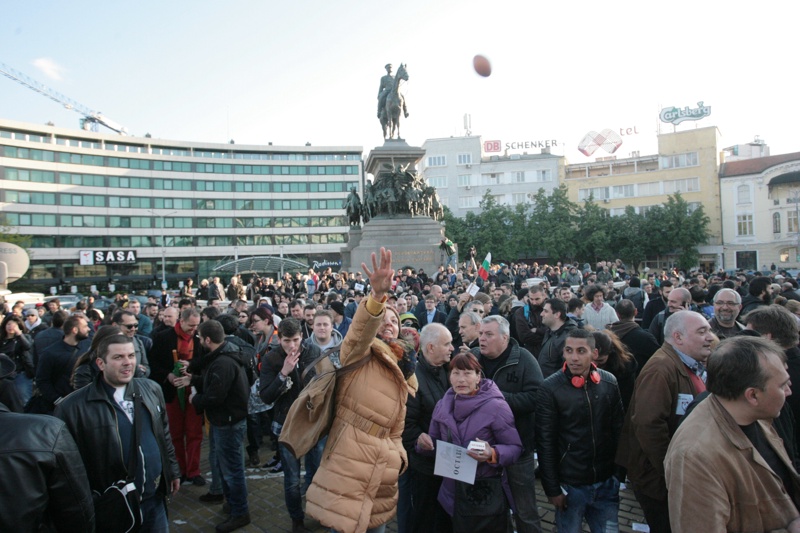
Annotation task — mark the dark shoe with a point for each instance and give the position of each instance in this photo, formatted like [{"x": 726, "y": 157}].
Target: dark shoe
[
  {"x": 198, "y": 481},
  {"x": 277, "y": 469},
  {"x": 272, "y": 462},
  {"x": 212, "y": 498},
  {"x": 185, "y": 480},
  {"x": 255, "y": 460},
  {"x": 233, "y": 523},
  {"x": 226, "y": 508},
  {"x": 298, "y": 526}
]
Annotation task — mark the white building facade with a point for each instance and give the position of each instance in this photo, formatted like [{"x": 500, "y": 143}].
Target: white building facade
[
  {"x": 461, "y": 173},
  {"x": 760, "y": 201},
  {"x": 191, "y": 205}
]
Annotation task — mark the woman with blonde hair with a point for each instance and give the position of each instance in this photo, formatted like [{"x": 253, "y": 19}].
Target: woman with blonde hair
[{"x": 355, "y": 487}]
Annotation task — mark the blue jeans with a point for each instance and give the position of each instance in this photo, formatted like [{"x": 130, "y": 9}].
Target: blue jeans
[
  {"x": 598, "y": 503},
  {"x": 292, "y": 489},
  {"x": 521, "y": 482},
  {"x": 228, "y": 446},
  {"x": 216, "y": 475},
  {"x": 405, "y": 507},
  {"x": 154, "y": 515},
  {"x": 24, "y": 386}
]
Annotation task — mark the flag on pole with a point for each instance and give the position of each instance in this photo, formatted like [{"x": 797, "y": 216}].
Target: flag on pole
[{"x": 483, "y": 271}]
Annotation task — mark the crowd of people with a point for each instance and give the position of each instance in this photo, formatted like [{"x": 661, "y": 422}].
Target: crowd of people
[{"x": 678, "y": 384}]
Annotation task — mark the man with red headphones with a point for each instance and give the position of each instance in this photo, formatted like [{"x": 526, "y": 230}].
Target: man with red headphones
[{"x": 579, "y": 417}]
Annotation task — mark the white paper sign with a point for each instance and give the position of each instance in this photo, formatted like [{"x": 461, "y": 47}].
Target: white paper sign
[
  {"x": 473, "y": 289},
  {"x": 358, "y": 287},
  {"x": 683, "y": 402},
  {"x": 452, "y": 461}
]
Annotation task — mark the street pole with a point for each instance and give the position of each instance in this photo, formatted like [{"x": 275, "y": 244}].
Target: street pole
[{"x": 163, "y": 247}]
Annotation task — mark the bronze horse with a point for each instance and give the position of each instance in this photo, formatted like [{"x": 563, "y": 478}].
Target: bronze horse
[{"x": 390, "y": 119}]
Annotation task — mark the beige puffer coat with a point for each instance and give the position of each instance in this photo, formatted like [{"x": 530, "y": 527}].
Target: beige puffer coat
[{"x": 355, "y": 487}]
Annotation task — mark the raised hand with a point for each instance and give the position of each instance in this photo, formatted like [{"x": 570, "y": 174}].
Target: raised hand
[{"x": 381, "y": 276}]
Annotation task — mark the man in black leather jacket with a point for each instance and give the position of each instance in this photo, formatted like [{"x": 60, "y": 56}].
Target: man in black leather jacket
[
  {"x": 44, "y": 479},
  {"x": 100, "y": 418},
  {"x": 579, "y": 417}
]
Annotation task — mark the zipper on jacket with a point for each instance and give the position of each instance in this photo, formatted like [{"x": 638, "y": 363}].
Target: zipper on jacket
[
  {"x": 591, "y": 425},
  {"x": 565, "y": 453}
]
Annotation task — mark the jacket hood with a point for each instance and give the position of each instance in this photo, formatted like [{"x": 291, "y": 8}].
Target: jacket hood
[
  {"x": 228, "y": 348},
  {"x": 335, "y": 335},
  {"x": 464, "y": 406},
  {"x": 623, "y": 327}
]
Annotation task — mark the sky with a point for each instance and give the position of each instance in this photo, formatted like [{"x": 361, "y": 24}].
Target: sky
[{"x": 308, "y": 71}]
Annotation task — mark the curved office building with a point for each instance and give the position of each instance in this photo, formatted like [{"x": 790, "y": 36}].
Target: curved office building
[{"x": 102, "y": 208}]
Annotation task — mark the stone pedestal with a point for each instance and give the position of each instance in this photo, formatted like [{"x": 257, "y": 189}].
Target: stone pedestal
[
  {"x": 394, "y": 152},
  {"x": 413, "y": 240}
]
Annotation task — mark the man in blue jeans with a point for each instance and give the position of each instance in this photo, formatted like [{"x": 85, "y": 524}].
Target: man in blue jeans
[
  {"x": 280, "y": 384},
  {"x": 226, "y": 390},
  {"x": 579, "y": 418}
]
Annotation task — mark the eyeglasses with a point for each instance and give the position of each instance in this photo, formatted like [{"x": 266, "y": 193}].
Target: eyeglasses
[
  {"x": 242, "y": 316},
  {"x": 131, "y": 326},
  {"x": 726, "y": 304}
]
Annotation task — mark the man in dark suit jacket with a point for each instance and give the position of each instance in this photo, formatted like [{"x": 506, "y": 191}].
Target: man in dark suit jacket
[{"x": 430, "y": 314}]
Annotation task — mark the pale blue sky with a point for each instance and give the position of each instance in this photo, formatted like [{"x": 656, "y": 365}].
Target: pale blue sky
[{"x": 308, "y": 71}]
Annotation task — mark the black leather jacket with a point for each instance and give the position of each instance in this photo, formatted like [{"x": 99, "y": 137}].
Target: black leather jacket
[
  {"x": 44, "y": 480},
  {"x": 577, "y": 430},
  {"x": 282, "y": 393},
  {"x": 92, "y": 421}
]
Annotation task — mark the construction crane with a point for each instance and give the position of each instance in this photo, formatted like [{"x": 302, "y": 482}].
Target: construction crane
[{"x": 90, "y": 118}]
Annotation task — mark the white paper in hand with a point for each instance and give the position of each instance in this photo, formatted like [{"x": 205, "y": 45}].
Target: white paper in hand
[
  {"x": 452, "y": 461},
  {"x": 473, "y": 289}
]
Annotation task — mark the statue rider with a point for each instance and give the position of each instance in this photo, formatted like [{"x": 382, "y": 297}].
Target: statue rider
[{"x": 387, "y": 82}]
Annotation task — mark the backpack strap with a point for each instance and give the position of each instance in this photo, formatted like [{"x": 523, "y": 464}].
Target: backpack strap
[{"x": 340, "y": 371}]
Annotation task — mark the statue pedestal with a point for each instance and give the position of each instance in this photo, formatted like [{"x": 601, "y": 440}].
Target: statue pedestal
[
  {"x": 413, "y": 240},
  {"x": 394, "y": 152}
]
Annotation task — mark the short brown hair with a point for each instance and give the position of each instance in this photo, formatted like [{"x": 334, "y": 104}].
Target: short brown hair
[{"x": 465, "y": 361}]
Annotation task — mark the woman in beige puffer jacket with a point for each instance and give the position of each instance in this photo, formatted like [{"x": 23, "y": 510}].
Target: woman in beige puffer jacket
[{"x": 355, "y": 487}]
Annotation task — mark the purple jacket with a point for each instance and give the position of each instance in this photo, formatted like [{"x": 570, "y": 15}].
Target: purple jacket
[{"x": 487, "y": 416}]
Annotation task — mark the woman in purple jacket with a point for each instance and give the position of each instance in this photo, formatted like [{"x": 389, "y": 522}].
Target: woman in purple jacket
[{"x": 474, "y": 410}]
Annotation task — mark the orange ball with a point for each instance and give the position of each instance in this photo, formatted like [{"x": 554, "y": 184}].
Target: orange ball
[{"x": 482, "y": 65}]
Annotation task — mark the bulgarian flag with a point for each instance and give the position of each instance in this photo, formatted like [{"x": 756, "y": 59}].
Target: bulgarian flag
[{"x": 483, "y": 271}]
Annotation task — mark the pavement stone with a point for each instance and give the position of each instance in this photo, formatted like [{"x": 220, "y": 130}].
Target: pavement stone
[{"x": 268, "y": 512}]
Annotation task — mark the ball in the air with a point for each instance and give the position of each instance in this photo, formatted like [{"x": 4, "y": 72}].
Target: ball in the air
[{"x": 482, "y": 65}]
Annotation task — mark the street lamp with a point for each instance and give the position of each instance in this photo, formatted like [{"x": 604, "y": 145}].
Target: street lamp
[{"x": 163, "y": 247}]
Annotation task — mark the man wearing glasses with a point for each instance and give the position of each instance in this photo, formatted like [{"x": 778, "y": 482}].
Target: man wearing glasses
[
  {"x": 727, "y": 305},
  {"x": 128, "y": 323},
  {"x": 181, "y": 343}
]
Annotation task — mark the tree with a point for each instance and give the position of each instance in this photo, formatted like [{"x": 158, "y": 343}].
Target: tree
[
  {"x": 558, "y": 227},
  {"x": 593, "y": 232},
  {"x": 627, "y": 240},
  {"x": 9, "y": 233},
  {"x": 689, "y": 229}
]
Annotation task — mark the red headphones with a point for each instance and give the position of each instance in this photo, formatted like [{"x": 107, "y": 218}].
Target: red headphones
[{"x": 579, "y": 381}]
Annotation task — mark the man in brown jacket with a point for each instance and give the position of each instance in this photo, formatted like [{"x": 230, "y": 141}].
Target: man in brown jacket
[
  {"x": 726, "y": 467},
  {"x": 667, "y": 384}
]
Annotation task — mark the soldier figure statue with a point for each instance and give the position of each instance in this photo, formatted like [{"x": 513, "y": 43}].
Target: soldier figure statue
[{"x": 387, "y": 82}]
